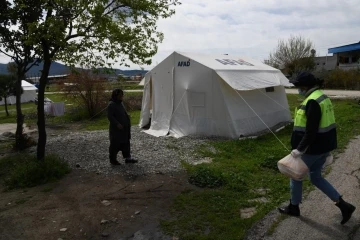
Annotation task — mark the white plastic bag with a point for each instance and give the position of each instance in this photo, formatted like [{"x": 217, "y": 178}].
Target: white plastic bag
[{"x": 294, "y": 168}]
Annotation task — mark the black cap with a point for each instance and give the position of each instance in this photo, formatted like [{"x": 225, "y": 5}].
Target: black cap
[{"x": 304, "y": 79}]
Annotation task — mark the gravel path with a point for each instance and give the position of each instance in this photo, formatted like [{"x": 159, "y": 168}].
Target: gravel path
[{"x": 155, "y": 155}]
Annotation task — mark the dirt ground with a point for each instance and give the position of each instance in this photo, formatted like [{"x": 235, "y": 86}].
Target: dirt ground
[
  {"x": 76, "y": 203},
  {"x": 75, "y": 207}
]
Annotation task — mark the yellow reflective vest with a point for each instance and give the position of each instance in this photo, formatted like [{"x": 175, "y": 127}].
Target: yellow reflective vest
[{"x": 327, "y": 122}]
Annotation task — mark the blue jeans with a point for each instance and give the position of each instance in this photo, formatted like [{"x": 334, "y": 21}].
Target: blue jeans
[{"x": 314, "y": 163}]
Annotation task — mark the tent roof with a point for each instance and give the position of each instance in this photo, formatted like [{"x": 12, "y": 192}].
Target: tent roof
[
  {"x": 241, "y": 73},
  {"x": 227, "y": 62},
  {"x": 27, "y": 86}
]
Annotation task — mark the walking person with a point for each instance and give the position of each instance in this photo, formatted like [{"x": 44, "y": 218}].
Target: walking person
[
  {"x": 313, "y": 137},
  {"x": 119, "y": 129}
]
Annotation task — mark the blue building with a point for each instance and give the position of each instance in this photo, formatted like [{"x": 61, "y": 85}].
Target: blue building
[{"x": 347, "y": 56}]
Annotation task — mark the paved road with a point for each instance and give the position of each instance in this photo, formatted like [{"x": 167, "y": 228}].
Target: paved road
[
  {"x": 332, "y": 93},
  {"x": 11, "y": 127},
  {"x": 320, "y": 218}
]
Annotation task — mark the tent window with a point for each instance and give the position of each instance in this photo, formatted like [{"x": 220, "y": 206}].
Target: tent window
[{"x": 270, "y": 89}]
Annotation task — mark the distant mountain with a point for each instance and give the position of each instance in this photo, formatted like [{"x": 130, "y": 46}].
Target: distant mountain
[{"x": 60, "y": 69}]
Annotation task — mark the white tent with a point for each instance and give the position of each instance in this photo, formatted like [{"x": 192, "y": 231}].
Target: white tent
[
  {"x": 213, "y": 95},
  {"x": 29, "y": 94}
]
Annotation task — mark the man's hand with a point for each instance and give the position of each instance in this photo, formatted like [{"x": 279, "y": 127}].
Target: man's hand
[
  {"x": 119, "y": 126},
  {"x": 296, "y": 153}
]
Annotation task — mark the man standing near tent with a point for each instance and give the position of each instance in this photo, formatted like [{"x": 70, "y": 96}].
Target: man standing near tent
[
  {"x": 313, "y": 137},
  {"x": 119, "y": 128}
]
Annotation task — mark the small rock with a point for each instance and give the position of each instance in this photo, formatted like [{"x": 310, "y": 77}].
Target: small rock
[
  {"x": 137, "y": 212},
  {"x": 104, "y": 221},
  {"x": 59, "y": 239},
  {"x": 247, "y": 212},
  {"x": 63, "y": 229},
  {"x": 259, "y": 200},
  {"x": 105, "y": 234},
  {"x": 262, "y": 191},
  {"x": 204, "y": 160},
  {"x": 106, "y": 202},
  {"x": 77, "y": 165},
  {"x": 114, "y": 220},
  {"x": 43, "y": 218}
]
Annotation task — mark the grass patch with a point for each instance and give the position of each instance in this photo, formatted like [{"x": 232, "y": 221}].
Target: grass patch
[
  {"x": 102, "y": 123},
  {"x": 23, "y": 170},
  {"x": 238, "y": 170}
]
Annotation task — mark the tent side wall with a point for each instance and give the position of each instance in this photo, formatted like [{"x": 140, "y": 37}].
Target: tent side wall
[
  {"x": 198, "y": 106},
  {"x": 249, "y": 110},
  {"x": 29, "y": 94}
]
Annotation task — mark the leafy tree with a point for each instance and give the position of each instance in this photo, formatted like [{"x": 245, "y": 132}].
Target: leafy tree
[
  {"x": 15, "y": 17},
  {"x": 7, "y": 89},
  {"x": 292, "y": 56},
  {"x": 93, "y": 32}
]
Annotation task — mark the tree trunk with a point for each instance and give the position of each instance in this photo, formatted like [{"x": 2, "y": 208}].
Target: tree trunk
[
  {"x": 6, "y": 107},
  {"x": 40, "y": 109},
  {"x": 19, "y": 137}
]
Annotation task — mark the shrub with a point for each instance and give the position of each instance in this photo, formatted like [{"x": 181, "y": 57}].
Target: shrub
[
  {"x": 132, "y": 102},
  {"x": 341, "y": 79},
  {"x": 270, "y": 162},
  {"x": 205, "y": 176},
  {"x": 24, "y": 170},
  {"x": 87, "y": 89}
]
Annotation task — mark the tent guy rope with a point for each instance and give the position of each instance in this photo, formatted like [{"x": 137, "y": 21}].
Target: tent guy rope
[{"x": 262, "y": 120}]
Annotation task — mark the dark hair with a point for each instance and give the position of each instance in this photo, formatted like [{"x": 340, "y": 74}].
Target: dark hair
[
  {"x": 306, "y": 79},
  {"x": 116, "y": 92}
]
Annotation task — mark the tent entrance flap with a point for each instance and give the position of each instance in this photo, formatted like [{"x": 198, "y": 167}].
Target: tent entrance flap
[
  {"x": 162, "y": 102},
  {"x": 146, "y": 106}
]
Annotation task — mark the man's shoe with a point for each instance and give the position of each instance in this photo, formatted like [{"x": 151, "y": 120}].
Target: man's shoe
[
  {"x": 115, "y": 163},
  {"x": 346, "y": 210},
  {"x": 292, "y": 210},
  {"x": 130, "y": 160}
]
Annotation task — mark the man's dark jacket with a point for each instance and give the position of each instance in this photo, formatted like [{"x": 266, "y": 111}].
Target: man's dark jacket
[{"x": 117, "y": 114}]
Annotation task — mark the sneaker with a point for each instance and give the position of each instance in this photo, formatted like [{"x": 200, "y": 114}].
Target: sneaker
[{"x": 130, "y": 160}]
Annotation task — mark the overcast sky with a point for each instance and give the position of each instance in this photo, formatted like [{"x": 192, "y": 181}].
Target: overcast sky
[{"x": 252, "y": 28}]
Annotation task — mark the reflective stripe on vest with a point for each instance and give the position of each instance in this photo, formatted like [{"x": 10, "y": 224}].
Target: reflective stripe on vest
[{"x": 327, "y": 121}]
